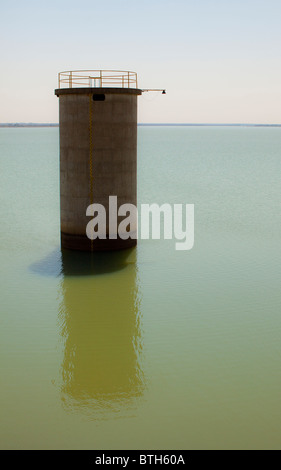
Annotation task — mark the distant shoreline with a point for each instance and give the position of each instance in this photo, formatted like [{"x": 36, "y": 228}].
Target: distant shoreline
[
  {"x": 22, "y": 124},
  {"x": 16, "y": 125}
]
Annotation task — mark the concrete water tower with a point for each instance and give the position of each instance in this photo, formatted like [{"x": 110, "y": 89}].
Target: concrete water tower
[{"x": 98, "y": 151}]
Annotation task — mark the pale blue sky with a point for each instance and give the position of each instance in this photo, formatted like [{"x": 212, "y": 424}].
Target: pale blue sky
[{"x": 219, "y": 60}]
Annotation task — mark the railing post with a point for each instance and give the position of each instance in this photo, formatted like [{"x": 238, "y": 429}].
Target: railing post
[
  {"x": 100, "y": 78},
  {"x": 70, "y": 80},
  {"x": 128, "y": 79}
]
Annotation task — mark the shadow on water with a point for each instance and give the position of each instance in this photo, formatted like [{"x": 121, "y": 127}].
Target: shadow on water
[
  {"x": 79, "y": 263},
  {"x": 100, "y": 327}
]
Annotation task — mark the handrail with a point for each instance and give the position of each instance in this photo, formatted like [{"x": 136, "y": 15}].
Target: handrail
[{"x": 98, "y": 78}]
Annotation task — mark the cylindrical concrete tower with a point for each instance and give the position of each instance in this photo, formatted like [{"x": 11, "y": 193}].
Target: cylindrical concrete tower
[{"x": 98, "y": 153}]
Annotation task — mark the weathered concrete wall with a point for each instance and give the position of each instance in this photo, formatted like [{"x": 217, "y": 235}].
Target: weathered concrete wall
[{"x": 111, "y": 126}]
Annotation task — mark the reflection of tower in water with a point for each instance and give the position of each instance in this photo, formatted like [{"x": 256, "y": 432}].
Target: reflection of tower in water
[{"x": 100, "y": 325}]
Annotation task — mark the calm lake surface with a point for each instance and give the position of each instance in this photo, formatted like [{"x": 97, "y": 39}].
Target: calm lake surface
[{"x": 151, "y": 348}]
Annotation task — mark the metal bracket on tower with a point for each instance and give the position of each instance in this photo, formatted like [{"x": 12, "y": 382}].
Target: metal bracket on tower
[{"x": 155, "y": 89}]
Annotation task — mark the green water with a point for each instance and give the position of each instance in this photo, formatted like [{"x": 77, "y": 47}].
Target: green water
[{"x": 151, "y": 348}]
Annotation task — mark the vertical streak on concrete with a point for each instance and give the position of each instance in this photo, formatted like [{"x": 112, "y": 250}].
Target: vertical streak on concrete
[{"x": 91, "y": 152}]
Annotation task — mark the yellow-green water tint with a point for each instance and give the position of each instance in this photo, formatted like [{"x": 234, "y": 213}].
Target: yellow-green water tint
[{"x": 149, "y": 348}]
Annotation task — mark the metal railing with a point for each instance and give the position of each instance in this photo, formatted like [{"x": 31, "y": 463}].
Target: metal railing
[{"x": 98, "y": 78}]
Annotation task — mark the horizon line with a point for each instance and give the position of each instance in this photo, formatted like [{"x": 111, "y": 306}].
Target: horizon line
[{"x": 54, "y": 124}]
